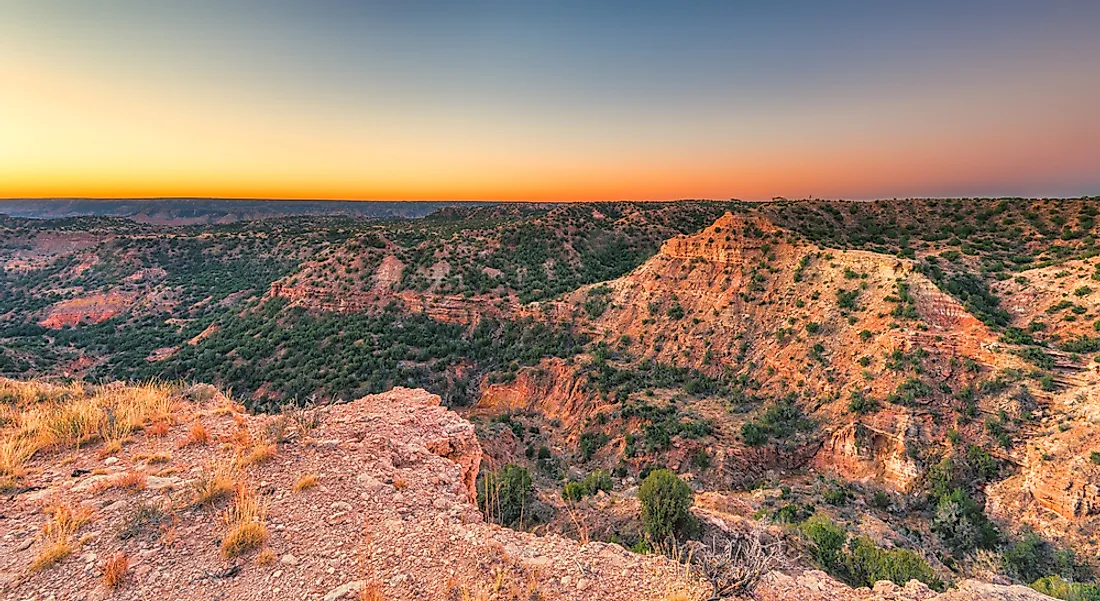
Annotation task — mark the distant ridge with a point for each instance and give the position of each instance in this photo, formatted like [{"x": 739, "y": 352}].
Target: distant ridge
[{"x": 196, "y": 211}]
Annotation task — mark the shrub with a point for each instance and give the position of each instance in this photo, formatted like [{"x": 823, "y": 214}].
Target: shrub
[
  {"x": 827, "y": 539},
  {"x": 867, "y": 563},
  {"x": 590, "y": 485},
  {"x": 860, "y": 403},
  {"x": 753, "y": 434},
  {"x": 792, "y": 513},
  {"x": 961, "y": 524},
  {"x": 503, "y": 495},
  {"x": 779, "y": 420},
  {"x": 1028, "y": 559},
  {"x": 591, "y": 442},
  {"x": 1059, "y": 588},
  {"x": 701, "y": 459},
  {"x": 860, "y": 562},
  {"x": 733, "y": 564},
  {"x": 666, "y": 505}
]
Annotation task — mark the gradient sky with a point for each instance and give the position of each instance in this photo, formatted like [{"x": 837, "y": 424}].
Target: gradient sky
[{"x": 552, "y": 100}]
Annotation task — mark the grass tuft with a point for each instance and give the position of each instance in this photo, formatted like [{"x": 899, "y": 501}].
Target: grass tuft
[
  {"x": 245, "y": 524},
  {"x": 115, "y": 570},
  {"x": 306, "y": 482},
  {"x": 216, "y": 482},
  {"x": 57, "y": 534},
  {"x": 259, "y": 453}
]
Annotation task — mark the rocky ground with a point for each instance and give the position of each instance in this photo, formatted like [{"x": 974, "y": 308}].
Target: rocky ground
[{"x": 373, "y": 500}]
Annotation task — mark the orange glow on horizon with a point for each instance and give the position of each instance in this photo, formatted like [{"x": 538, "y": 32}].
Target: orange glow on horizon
[{"x": 70, "y": 133}]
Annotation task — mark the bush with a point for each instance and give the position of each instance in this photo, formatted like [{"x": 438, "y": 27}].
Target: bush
[
  {"x": 1057, "y": 587},
  {"x": 503, "y": 495},
  {"x": 1029, "y": 558},
  {"x": 867, "y": 563},
  {"x": 592, "y": 484},
  {"x": 860, "y": 562},
  {"x": 961, "y": 524},
  {"x": 591, "y": 442},
  {"x": 753, "y": 434},
  {"x": 779, "y": 421},
  {"x": 860, "y": 403},
  {"x": 827, "y": 539},
  {"x": 666, "y": 505}
]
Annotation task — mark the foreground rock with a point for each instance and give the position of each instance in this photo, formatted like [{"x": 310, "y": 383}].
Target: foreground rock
[{"x": 392, "y": 514}]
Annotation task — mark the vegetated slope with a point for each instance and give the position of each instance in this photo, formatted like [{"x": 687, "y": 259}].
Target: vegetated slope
[
  {"x": 743, "y": 355},
  {"x": 500, "y": 254},
  {"x": 179, "y": 494},
  {"x": 852, "y": 337},
  {"x": 896, "y": 395}
]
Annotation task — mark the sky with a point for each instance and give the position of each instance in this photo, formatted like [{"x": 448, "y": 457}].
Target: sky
[{"x": 551, "y": 100}]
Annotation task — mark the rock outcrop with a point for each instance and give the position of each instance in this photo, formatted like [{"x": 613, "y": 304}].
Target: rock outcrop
[
  {"x": 861, "y": 452},
  {"x": 393, "y": 509},
  {"x": 89, "y": 309}
]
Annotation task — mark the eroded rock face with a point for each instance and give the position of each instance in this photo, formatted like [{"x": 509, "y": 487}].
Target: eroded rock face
[
  {"x": 89, "y": 309},
  {"x": 1056, "y": 489},
  {"x": 424, "y": 422},
  {"x": 860, "y": 452},
  {"x": 730, "y": 239}
]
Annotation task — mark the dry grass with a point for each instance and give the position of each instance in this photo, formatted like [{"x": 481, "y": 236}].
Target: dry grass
[
  {"x": 503, "y": 580},
  {"x": 158, "y": 428},
  {"x": 372, "y": 586},
  {"x": 48, "y": 416},
  {"x": 244, "y": 521},
  {"x": 306, "y": 482},
  {"x": 131, "y": 480},
  {"x": 259, "y": 453},
  {"x": 115, "y": 570},
  {"x": 153, "y": 458},
  {"x": 371, "y": 591},
  {"x": 216, "y": 482},
  {"x": 197, "y": 435},
  {"x": 57, "y": 534},
  {"x": 266, "y": 557},
  {"x": 400, "y": 483},
  {"x": 14, "y": 453}
]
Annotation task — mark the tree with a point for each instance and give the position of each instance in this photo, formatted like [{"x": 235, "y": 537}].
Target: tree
[{"x": 666, "y": 505}]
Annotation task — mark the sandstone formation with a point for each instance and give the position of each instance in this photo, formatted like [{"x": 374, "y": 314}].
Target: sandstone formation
[{"x": 89, "y": 309}]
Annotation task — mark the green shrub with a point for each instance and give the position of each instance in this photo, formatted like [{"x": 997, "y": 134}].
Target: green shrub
[
  {"x": 666, "y": 505},
  {"x": 591, "y": 442},
  {"x": 503, "y": 495},
  {"x": 792, "y": 513},
  {"x": 867, "y": 563},
  {"x": 860, "y": 562},
  {"x": 701, "y": 459},
  {"x": 753, "y": 434},
  {"x": 1059, "y": 588},
  {"x": 1029, "y": 558},
  {"x": 961, "y": 524},
  {"x": 827, "y": 539},
  {"x": 860, "y": 403},
  {"x": 590, "y": 485},
  {"x": 779, "y": 420}
]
